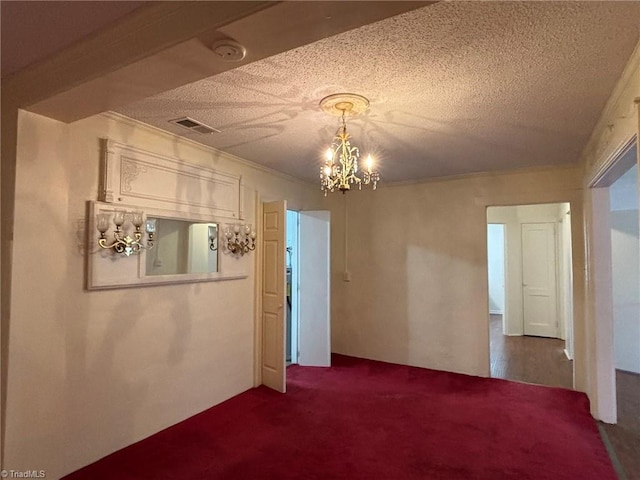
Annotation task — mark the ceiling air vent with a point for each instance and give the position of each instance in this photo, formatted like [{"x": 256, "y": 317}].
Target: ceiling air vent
[{"x": 193, "y": 125}]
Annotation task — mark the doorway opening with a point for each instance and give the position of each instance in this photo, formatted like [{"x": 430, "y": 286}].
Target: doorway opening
[
  {"x": 617, "y": 297},
  {"x": 530, "y": 299},
  {"x": 625, "y": 276},
  {"x": 294, "y": 293}
]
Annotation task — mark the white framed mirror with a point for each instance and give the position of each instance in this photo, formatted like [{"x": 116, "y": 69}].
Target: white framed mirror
[{"x": 182, "y": 248}]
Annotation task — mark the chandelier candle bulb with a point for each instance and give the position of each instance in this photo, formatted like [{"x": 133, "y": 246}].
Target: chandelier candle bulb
[
  {"x": 329, "y": 154},
  {"x": 369, "y": 163}
]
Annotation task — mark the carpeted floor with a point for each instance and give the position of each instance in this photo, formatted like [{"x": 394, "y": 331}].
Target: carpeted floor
[{"x": 362, "y": 419}]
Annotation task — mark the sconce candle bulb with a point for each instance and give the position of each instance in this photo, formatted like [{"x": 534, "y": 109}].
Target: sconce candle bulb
[{"x": 240, "y": 239}]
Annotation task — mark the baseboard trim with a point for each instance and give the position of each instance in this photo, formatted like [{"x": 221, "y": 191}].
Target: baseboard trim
[{"x": 495, "y": 312}]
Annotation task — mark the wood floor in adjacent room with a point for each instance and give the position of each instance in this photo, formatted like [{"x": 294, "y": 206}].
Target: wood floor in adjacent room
[
  {"x": 542, "y": 361},
  {"x": 625, "y": 435},
  {"x": 529, "y": 359}
]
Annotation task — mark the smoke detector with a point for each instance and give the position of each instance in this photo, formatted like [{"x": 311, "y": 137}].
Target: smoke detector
[{"x": 229, "y": 50}]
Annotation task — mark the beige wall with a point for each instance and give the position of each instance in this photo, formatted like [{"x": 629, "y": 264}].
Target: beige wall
[
  {"x": 417, "y": 255},
  {"x": 91, "y": 372}
]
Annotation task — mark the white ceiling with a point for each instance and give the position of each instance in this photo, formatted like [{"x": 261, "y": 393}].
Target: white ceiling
[{"x": 455, "y": 88}]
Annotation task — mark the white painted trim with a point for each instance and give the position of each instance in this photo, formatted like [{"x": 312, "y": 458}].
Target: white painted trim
[
  {"x": 603, "y": 306},
  {"x": 257, "y": 296},
  {"x": 466, "y": 176},
  {"x": 150, "y": 180},
  {"x": 598, "y": 178},
  {"x": 118, "y": 117},
  {"x": 174, "y": 279}
]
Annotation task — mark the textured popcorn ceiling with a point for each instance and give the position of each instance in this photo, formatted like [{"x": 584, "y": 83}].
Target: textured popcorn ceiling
[{"x": 455, "y": 88}]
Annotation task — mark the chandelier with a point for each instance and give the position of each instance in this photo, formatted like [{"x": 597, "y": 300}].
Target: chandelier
[{"x": 340, "y": 168}]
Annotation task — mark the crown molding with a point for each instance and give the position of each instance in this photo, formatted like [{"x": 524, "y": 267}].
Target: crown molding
[{"x": 476, "y": 175}]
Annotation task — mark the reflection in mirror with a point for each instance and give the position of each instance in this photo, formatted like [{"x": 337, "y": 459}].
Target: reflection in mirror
[{"x": 182, "y": 246}]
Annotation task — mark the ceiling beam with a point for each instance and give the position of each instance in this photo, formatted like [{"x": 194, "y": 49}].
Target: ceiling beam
[{"x": 167, "y": 44}]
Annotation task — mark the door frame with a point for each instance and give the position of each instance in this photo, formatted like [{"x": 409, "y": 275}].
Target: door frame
[
  {"x": 257, "y": 295},
  {"x": 601, "y": 286}
]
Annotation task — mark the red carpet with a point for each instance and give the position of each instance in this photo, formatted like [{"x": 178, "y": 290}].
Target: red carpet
[{"x": 371, "y": 420}]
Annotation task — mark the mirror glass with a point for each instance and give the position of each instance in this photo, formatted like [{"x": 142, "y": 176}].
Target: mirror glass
[{"x": 183, "y": 246}]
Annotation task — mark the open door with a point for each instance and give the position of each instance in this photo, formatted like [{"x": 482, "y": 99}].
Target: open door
[
  {"x": 314, "y": 294},
  {"x": 273, "y": 295}
]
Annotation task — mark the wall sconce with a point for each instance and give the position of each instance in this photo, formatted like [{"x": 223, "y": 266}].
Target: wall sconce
[
  {"x": 123, "y": 243},
  {"x": 240, "y": 239}
]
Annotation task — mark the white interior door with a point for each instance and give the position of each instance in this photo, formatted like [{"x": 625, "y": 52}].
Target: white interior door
[
  {"x": 539, "y": 279},
  {"x": 314, "y": 314},
  {"x": 273, "y": 295}
]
